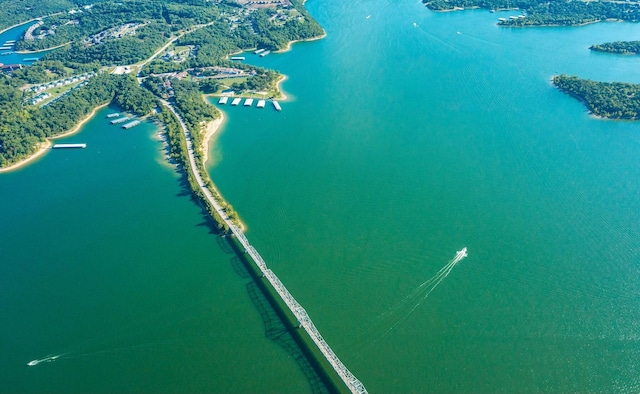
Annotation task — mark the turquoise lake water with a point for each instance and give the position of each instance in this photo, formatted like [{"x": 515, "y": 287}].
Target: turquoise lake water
[
  {"x": 8, "y": 56},
  {"x": 407, "y": 135}
]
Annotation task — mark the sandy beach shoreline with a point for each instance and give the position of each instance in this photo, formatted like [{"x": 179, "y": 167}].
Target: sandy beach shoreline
[
  {"x": 46, "y": 146},
  {"x": 212, "y": 129},
  {"x": 290, "y": 43}
]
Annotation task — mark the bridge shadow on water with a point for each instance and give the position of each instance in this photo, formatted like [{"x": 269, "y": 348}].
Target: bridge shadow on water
[
  {"x": 278, "y": 332},
  {"x": 275, "y": 327}
]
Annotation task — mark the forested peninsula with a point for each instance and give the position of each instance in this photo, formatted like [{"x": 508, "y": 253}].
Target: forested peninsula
[
  {"x": 613, "y": 100},
  {"x": 172, "y": 46},
  {"x": 619, "y": 47},
  {"x": 548, "y": 13}
]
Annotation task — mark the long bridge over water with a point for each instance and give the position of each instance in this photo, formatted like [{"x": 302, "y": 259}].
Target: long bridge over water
[{"x": 349, "y": 379}]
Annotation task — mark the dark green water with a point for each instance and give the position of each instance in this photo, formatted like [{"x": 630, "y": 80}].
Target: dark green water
[
  {"x": 400, "y": 144},
  {"x": 108, "y": 262}
]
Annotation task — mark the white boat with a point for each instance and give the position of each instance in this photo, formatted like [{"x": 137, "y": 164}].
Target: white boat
[
  {"x": 461, "y": 253},
  {"x": 236, "y": 101}
]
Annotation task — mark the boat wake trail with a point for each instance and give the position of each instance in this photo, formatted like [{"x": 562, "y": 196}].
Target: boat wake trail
[
  {"x": 48, "y": 359},
  {"x": 399, "y": 312}
]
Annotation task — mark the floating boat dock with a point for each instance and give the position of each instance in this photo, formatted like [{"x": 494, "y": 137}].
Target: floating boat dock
[
  {"x": 113, "y": 115},
  {"x": 237, "y": 58},
  {"x": 120, "y": 120},
  {"x": 276, "y": 106},
  {"x": 31, "y": 59},
  {"x": 131, "y": 124},
  {"x": 6, "y": 48},
  {"x": 259, "y": 51},
  {"x": 223, "y": 100},
  {"x": 9, "y": 42},
  {"x": 236, "y": 101},
  {"x": 248, "y": 102},
  {"x": 261, "y": 103},
  {"x": 69, "y": 146},
  {"x": 265, "y": 53}
]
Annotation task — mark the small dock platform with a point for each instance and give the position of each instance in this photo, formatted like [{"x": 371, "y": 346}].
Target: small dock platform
[
  {"x": 277, "y": 106},
  {"x": 258, "y": 51},
  {"x": 261, "y": 103},
  {"x": 265, "y": 53},
  {"x": 69, "y": 146},
  {"x": 236, "y": 101},
  {"x": 237, "y": 58},
  {"x": 131, "y": 124},
  {"x": 31, "y": 59},
  {"x": 120, "y": 120},
  {"x": 223, "y": 100},
  {"x": 248, "y": 102},
  {"x": 6, "y": 48},
  {"x": 113, "y": 115}
]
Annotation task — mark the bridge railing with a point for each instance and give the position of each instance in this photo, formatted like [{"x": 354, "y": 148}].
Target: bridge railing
[{"x": 354, "y": 385}]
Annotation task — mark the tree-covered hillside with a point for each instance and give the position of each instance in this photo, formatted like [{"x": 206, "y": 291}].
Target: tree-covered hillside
[{"x": 615, "y": 100}]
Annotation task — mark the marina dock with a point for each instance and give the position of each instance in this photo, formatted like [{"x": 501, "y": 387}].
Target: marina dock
[
  {"x": 69, "y": 146},
  {"x": 120, "y": 120},
  {"x": 223, "y": 100},
  {"x": 276, "y": 105},
  {"x": 261, "y": 103},
  {"x": 258, "y": 51},
  {"x": 131, "y": 124},
  {"x": 113, "y": 115},
  {"x": 265, "y": 53},
  {"x": 31, "y": 59},
  {"x": 248, "y": 102},
  {"x": 237, "y": 58},
  {"x": 6, "y": 48},
  {"x": 236, "y": 101}
]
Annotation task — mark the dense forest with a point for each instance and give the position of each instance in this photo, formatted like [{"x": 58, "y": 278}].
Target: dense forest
[
  {"x": 620, "y": 47},
  {"x": 549, "y": 13},
  {"x": 22, "y": 127},
  {"x": 615, "y": 100},
  {"x": 99, "y": 34}
]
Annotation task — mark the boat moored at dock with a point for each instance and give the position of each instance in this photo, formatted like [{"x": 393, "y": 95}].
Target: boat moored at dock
[
  {"x": 69, "y": 146},
  {"x": 120, "y": 120},
  {"x": 131, "y": 124}
]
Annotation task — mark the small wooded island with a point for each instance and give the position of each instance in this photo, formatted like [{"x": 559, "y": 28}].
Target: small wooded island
[
  {"x": 619, "y": 47},
  {"x": 548, "y": 13},
  {"x": 613, "y": 100}
]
